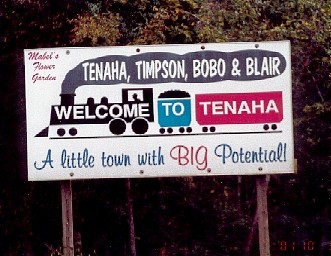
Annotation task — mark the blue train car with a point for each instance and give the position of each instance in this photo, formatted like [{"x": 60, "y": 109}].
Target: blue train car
[{"x": 174, "y": 111}]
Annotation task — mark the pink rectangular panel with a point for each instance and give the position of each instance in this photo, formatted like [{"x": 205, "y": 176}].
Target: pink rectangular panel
[{"x": 239, "y": 108}]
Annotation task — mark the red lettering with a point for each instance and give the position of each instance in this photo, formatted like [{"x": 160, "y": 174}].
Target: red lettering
[
  {"x": 39, "y": 56},
  {"x": 190, "y": 156},
  {"x": 36, "y": 77},
  {"x": 40, "y": 66},
  {"x": 282, "y": 245}
]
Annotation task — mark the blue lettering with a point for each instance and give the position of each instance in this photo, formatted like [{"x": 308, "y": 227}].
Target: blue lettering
[
  {"x": 151, "y": 158},
  {"x": 48, "y": 160},
  {"x": 77, "y": 160},
  {"x": 223, "y": 151},
  {"x": 226, "y": 153},
  {"x": 115, "y": 160}
]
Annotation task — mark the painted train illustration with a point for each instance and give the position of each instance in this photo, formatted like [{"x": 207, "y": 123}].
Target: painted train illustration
[
  {"x": 136, "y": 109},
  {"x": 177, "y": 112}
]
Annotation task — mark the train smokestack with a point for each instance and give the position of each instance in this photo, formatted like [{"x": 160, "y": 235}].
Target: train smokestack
[{"x": 67, "y": 99}]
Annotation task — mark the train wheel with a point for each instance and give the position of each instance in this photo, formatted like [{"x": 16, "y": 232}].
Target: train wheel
[
  {"x": 139, "y": 126},
  {"x": 117, "y": 126},
  {"x": 73, "y": 131},
  {"x": 61, "y": 132}
]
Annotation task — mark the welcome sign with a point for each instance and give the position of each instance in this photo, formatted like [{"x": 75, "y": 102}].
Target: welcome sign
[{"x": 157, "y": 111}]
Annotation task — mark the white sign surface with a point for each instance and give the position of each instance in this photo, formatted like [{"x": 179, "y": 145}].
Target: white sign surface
[{"x": 157, "y": 111}]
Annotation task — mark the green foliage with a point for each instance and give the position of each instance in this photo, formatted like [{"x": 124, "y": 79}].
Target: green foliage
[
  {"x": 247, "y": 20},
  {"x": 98, "y": 29},
  {"x": 170, "y": 22}
]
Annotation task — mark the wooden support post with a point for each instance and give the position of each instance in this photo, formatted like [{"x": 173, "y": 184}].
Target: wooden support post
[
  {"x": 133, "y": 250},
  {"x": 67, "y": 219},
  {"x": 262, "y": 214}
]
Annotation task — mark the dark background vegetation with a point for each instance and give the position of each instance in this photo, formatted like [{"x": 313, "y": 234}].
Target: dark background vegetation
[{"x": 172, "y": 216}]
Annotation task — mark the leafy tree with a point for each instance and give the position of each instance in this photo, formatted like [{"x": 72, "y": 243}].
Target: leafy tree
[
  {"x": 171, "y": 22},
  {"x": 96, "y": 29}
]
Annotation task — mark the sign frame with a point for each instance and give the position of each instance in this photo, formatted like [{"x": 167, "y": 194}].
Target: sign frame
[{"x": 241, "y": 91}]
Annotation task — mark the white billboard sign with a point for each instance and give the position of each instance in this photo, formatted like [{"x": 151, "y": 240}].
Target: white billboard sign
[{"x": 157, "y": 111}]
